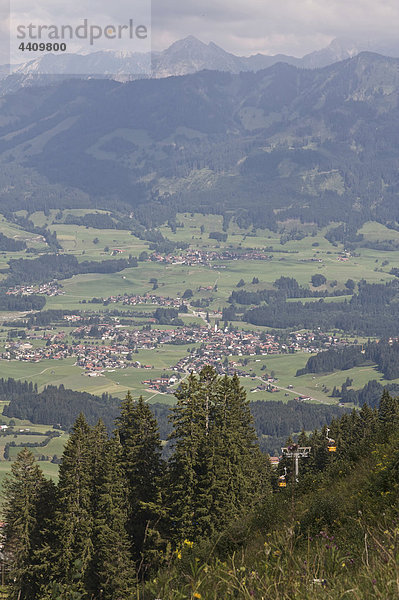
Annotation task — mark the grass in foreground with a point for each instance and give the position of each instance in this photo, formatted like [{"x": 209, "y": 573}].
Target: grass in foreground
[{"x": 274, "y": 569}]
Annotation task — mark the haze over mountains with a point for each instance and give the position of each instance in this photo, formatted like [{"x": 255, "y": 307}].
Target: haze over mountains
[
  {"x": 184, "y": 57},
  {"x": 316, "y": 144}
]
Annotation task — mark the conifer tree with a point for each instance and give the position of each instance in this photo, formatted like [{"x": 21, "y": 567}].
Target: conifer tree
[
  {"x": 369, "y": 418},
  {"x": 254, "y": 470},
  {"x": 319, "y": 457},
  {"x": 93, "y": 549},
  {"x": 97, "y": 440},
  {"x": 189, "y": 421},
  {"x": 350, "y": 434},
  {"x": 205, "y": 462},
  {"x": 74, "y": 518},
  {"x": 113, "y": 573},
  {"x": 303, "y": 439},
  {"x": 217, "y": 471},
  {"x": 142, "y": 465},
  {"x": 388, "y": 413},
  {"x": 43, "y": 553},
  {"x": 24, "y": 491},
  {"x": 242, "y": 473}
]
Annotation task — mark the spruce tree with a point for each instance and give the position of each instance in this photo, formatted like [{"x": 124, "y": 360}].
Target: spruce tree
[
  {"x": 203, "y": 522},
  {"x": 74, "y": 518},
  {"x": 24, "y": 491},
  {"x": 112, "y": 569},
  {"x": 388, "y": 414},
  {"x": 242, "y": 473},
  {"x": 319, "y": 457},
  {"x": 142, "y": 465},
  {"x": 217, "y": 471},
  {"x": 97, "y": 440},
  {"x": 349, "y": 435},
  {"x": 44, "y": 552},
  {"x": 303, "y": 439},
  {"x": 189, "y": 421},
  {"x": 93, "y": 549}
]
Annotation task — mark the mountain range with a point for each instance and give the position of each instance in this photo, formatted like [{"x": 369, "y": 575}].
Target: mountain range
[
  {"x": 284, "y": 142},
  {"x": 184, "y": 57}
]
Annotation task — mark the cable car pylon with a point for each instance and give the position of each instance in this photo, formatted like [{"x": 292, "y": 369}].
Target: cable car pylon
[{"x": 296, "y": 452}]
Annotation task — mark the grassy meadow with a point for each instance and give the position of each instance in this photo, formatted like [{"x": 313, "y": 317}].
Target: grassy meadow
[{"x": 293, "y": 258}]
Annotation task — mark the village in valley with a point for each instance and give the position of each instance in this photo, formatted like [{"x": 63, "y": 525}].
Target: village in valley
[
  {"x": 111, "y": 311},
  {"x": 101, "y": 343},
  {"x": 178, "y": 301}
]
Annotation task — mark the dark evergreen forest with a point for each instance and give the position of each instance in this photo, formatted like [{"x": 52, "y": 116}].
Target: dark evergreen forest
[
  {"x": 123, "y": 522},
  {"x": 59, "y": 406}
]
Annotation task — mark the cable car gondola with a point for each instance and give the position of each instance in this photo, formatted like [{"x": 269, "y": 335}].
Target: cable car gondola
[
  {"x": 331, "y": 445},
  {"x": 281, "y": 480}
]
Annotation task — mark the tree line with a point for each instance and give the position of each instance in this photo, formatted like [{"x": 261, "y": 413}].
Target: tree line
[
  {"x": 285, "y": 287},
  {"x": 59, "y": 266},
  {"x": 21, "y": 303},
  {"x": 120, "y": 512},
  {"x": 25, "y": 223},
  {"x": 369, "y": 394},
  {"x": 276, "y": 420},
  {"x": 94, "y": 220},
  {"x": 55, "y": 405},
  {"x": 61, "y": 406},
  {"x": 373, "y": 310},
  {"x": 119, "y": 509},
  {"x": 354, "y": 433},
  {"x": 10, "y": 245},
  {"x": 384, "y": 354}
]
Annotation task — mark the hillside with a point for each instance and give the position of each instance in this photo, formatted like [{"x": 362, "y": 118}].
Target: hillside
[
  {"x": 214, "y": 520},
  {"x": 334, "y": 535},
  {"x": 312, "y": 144}
]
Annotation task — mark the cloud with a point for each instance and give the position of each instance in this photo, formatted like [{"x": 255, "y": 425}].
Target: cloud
[
  {"x": 240, "y": 26},
  {"x": 289, "y": 26}
]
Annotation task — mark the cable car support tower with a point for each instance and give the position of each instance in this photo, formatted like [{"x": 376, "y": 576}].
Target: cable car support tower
[{"x": 296, "y": 452}]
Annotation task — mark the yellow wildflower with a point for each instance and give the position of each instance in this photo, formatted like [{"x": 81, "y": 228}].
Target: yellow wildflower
[
  {"x": 197, "y": 595},
  {"x": 188, "y": 543}
]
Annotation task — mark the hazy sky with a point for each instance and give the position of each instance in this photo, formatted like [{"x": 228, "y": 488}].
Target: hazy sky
[
  {"x": 240, "y": 26},
  {"x": 273, "y": 26}
]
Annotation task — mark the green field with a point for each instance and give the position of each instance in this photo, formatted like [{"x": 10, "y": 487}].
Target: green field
[
  {"x": 285, "y": 367},
  {"x": 118, "y": 382},
  {"x": 297, "y": 259},
  {"x": 54, "y": 447},
  {"x": 300, "y": 259},
  {"x": 49, "y": 469}
]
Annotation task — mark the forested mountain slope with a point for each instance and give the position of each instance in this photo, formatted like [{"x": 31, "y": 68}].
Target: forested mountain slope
[
  {"x": 214, "y": 521},
  {"x": 314, "y": 144}
]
